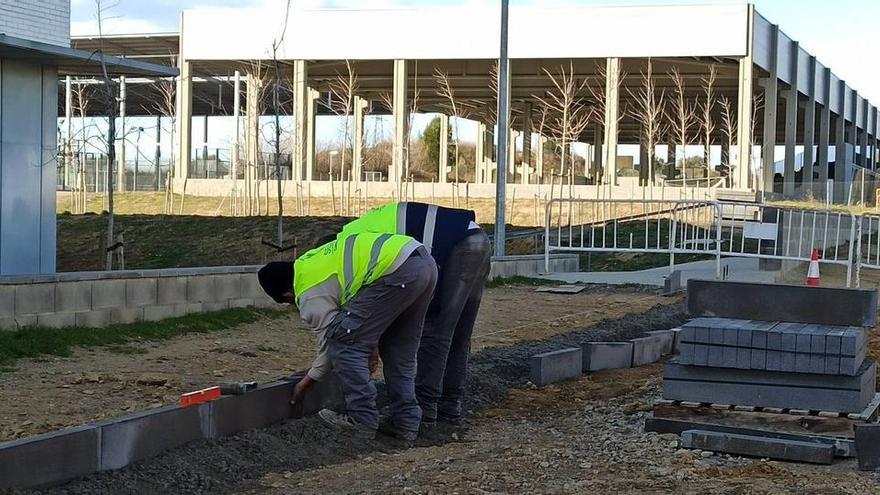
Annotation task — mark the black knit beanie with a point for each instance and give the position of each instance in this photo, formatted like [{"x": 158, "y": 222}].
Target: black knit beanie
[{"x": 276, "y": 278}]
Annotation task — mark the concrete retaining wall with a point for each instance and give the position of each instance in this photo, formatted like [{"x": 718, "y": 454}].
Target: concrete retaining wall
[{"x": 98, "y": 299}]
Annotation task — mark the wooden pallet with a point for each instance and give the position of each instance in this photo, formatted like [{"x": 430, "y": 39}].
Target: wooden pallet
[{"x": 795, "y": 421}]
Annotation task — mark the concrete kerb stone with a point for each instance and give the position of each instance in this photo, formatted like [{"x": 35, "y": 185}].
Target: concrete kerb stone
[
  {"x": 556, "y": 366},
  {"x": 56, "y": 320},
  {"x": 143, "y": 435},
  {"x": 93, "y": 319},
  {"x": 126, "y": 315},
  {"x": 868, "y": 446},
  {"x": 51, "y": 458},
  {"x": 648, "y": 350},
  {"x": 668, "y": 337},
  {"x": 606, "y": 355},
  {"x": 755, "y": 446}
]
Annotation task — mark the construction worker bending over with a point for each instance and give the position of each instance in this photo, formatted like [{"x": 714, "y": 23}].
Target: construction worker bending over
[
  {"x": 360, "y": 293},
  {"x": 462, "y": 252}
]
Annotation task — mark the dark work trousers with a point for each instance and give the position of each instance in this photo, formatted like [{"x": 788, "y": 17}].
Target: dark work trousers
[
  {"x": 446, "y": 338},
  {"x": 388, "y": 313}
]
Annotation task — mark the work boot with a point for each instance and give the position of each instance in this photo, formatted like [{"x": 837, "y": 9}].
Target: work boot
[
  {"x": 346, "y": 423},
  {"x": 453, "y": 420},
  {"x": 387, "y": 427}
]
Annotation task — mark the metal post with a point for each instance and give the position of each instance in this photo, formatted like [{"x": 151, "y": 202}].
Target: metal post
[
  {"x": 236, "y": 147},
  {"x": 158, "y": 154},
  {"x": 503, "y": 129},
  {"x": 443, "y": 165},
  {"x": 68, "y": 116},
  {"x": 120, "y": 174}
]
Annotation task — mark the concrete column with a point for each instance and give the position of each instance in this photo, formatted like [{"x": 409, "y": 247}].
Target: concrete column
[
  {"x": 360, "y": 108},
  {"x": 539, "y": 159},
  {"x": 527, "y": 143},
  {"x": 443, "y": 164},
  {"x": 743, "y": 169},
  {"x": 184, "y": 118},
  {"x": 236, "y": 146},
  {"x": 863, "y": 161},
  {"x": 840, "y": 166},
  {"x": 595, "y": 158},
  {"x": 310, "y": 133},
  {"x": 400, "y": 111},
  {"x": 120, "y": 137},
  {"x": 301, "y": 103},
  {"x": 612, "y": 110},
  {"x": 511, "y": 150},
  {"x": 791, "y": 120},
  {"x": 809, "y": 129},
  {"x": 491, "y": 152},
  {"x": 644, "y": 166},
  {"x": 205, "y": 143},
  {"x": 824, "y": 135},
  {"x": 480, "y": 152},
  {"x": 770, "y": 94}
]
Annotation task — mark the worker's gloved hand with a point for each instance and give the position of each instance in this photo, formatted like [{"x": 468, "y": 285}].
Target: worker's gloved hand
[
  {"x": 374, "y": 361},
  {"x": 300, "y": 389}
]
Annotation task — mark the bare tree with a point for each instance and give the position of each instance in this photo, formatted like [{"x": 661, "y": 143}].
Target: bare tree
[
  {"x": 276, "y": 107},
  {"x": 649, "y": 108},
  {"x": 706, "y": 110},
  {"x": 343, "y": 89},
  {"x": 567, "y": 115},
  {"x": 453, "y": 109},
  {"x": 82, "y": 95},
  {"x": 682, "y": 118},
  {"x": 167, "y": 106}
]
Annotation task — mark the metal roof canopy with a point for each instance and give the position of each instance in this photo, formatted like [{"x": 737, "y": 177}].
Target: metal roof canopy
[{"x": 71, "y": 61}]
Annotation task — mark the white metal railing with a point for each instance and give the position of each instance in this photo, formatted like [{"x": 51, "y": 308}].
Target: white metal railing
[{"x": 718, "y": 228}]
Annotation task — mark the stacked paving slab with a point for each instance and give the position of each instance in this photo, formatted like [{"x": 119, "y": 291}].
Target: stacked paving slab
[{"x": 770, "y": 362}]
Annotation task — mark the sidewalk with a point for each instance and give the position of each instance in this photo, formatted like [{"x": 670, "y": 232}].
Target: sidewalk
[{"x": 740, "y": 269}]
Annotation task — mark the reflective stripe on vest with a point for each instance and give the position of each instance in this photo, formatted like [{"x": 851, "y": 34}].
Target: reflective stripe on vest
[
  {"x": 401, "y": 218},
  {"x": 374, "y": 254},
  {"x": 430, "y": 224},
  {"x": 348, "y": 265}
]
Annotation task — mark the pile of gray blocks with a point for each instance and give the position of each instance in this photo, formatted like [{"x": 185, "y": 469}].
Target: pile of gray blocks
[
  {"x": 55, "y": 457},
  {"x": 775, "y": 346}
]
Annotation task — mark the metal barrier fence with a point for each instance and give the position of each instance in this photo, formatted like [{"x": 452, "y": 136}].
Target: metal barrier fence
[{"x": 712, "y": 228}]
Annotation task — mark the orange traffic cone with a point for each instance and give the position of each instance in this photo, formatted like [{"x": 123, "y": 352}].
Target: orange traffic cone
[{"x": 813, "y": 271}]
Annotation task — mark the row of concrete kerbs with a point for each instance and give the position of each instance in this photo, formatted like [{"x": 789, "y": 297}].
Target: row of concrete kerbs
[
  {"x": 565, "y": 364},
  {"x": 56, "y": 457},
  {"x": 96, "y": 300}
]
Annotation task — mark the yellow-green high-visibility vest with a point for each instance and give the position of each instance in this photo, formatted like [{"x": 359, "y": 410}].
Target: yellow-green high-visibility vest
[
  {"x": 390, "y": 217},
  {"x": 355, "y": 260}
]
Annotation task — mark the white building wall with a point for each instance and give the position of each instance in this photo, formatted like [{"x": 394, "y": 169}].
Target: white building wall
[{"x": 47, "y": 21}]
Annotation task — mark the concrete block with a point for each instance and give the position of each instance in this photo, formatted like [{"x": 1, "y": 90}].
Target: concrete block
[
  {"x": 668, "y": 337},
  {"x": 56, "y": 320},
  {"x": 141, "y": 292},
  {"x": 266, "y": 302},
  {"x": 48, "y": 459},
  {"x": 157, "y": 312},
  {"x": 7, "y": 301},
  {"x": 170, "y": 290},
  {"x": 73, "y": 296},
  {"x": 676, "y": 339},
  {"x": 325, "y": 394},
  {"x": 241, "y": 303},
  {"x": 34, "y": 299},
  {"x": 686, "y": 345},
  {"x": 200, "y": 288},
  {"x": 758, "y": 446},
  {"x": 770, "y": 389},
  {"x": 208, "y": 307},
  {"x": 250, "y": 286},
  {"x": 227, "y": 287},
  {"x": 126, "y": 315},
  {"x": 556, "y": 366},
  {"x": 647, "y": 350},
  {"x": 93, "y": 319},
  {"x": 267, "y": 405},
  {"x": 607, "y": 355},
  {"x": 772, "y": 302},
  {"x": 108, "y": 294},
  {"x": 743, "y": 353},
  {"x": 145, "y": 434},
  {"x": 868, "y": 446},
  {"x": 672, "y": 282}
]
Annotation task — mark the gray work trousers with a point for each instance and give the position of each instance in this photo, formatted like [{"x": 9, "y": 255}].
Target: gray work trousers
[
  {"x": 446, "y": 338},
  {"x": 388, "y": 314}
]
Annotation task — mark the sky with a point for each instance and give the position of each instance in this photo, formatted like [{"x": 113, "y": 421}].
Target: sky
[{"x": 838, "y": 32}]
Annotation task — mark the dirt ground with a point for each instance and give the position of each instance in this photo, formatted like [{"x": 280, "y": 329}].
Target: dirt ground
[{"x": 583, "y": 436}]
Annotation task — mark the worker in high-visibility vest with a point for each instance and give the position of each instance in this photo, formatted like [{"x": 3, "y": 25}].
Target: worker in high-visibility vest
[
  {"x": 462, "y": 252},
  {"x": 362, "y": 293}
]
